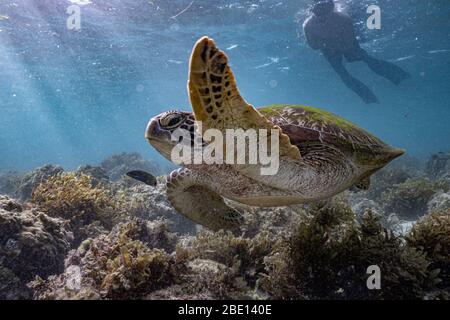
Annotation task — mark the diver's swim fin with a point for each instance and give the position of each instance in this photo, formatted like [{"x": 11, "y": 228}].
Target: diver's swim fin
[
  {"x": 365, "y": 93},
  {"x": 351, "y": 82},
  {"x": 143, "y": 176},
  {"x": 360, "y": 89},
  {"x": 387, "y": 70}
]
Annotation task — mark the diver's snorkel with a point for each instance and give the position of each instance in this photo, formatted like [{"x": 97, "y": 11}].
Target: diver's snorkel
[{"x": 323, "y": 8}]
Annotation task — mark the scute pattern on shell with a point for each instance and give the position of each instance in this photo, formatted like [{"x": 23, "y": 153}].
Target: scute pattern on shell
[{"x": 307, "y": 125}]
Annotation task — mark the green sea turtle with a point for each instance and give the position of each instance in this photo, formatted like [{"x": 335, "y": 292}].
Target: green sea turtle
[{"x": 321, "y": 154}]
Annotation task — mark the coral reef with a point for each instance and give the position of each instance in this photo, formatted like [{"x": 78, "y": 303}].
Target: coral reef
[
  {"x": 438, "y": 166},
  {"x": 155, "y": 233},
  {"x": 326, "y": 256},
  {"x": 32, "y": 179},
  {"x": 238, "y": 261},
  {"x": 9, "y": 182},
  {"x": 384, "y": 180},
  {"x": 360, "y": 205},
  {"x": 116, "y": 266},
  {"x": 31, "y": 243},
  {"x": 96, "y": 234},
  {"x": 71, "y": 196},
  {"x": 97, "y": 174},
  {"x": 440, "y": 201},
  {"x": 410, "y": 198},
  {"x": 117, "y": 165},
  {"x": 11, "y": 287},
  {"x": 431, "y": 236},
  {"x": 146, "y": 202}
]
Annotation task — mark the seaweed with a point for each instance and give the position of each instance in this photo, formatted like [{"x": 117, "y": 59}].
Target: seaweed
[
  {"x": 385, "y": 179},
  {"x": 431, "y": 235},
  {"x": 126, "y": 249},
  {"x": 216, "y": 280},
  {"x": 410, "y": 198},
  {"x": 327, "y": 255},
  {"x": 113, "y": 266},
  {"x": 71, "y": 196},
  {"x": 246, "y": 255},
  {"x": 222, "y": 265},
  {"x": 302, "y": 263},
  {"x": 97, "y": 174},
  {"x": 405, "y": 271}
]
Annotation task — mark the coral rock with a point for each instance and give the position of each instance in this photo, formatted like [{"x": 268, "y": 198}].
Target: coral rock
[
  {"x": 151, "y": 203},
  {"x": 438, "y": 166},
  {"x": 97, "y": 174},
  {"x": 72, "y": 197},
  {"x": 410, "y": 198},
  {"x": 117, "y": 165},
  {"x": 32, "y": 179},
  {"x": 31, "y": 244},
  {"x": 114, "y": 266},
  {"x": 9, "y": 182},
  {"x": 440, "y": 201}
]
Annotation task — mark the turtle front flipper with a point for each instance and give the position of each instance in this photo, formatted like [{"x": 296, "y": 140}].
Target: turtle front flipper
[
  {"x": 216, "y": 100},
  {"x": 197, "y": 202}
]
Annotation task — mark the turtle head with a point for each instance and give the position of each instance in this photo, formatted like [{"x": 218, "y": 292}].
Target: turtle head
[{"x": 160, "y": 130}]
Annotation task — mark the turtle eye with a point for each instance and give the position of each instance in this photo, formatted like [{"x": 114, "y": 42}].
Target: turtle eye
[{"x": 171, "y": 121}]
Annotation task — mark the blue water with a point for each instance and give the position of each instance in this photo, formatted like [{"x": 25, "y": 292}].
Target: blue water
[{"x": 75, "y": 97}]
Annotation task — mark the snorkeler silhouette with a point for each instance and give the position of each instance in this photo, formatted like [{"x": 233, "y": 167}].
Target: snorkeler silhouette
[{"x": 332, "y": 32}]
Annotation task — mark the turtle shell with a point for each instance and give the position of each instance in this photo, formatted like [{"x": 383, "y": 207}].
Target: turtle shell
[{"x": 309, "y": 127}]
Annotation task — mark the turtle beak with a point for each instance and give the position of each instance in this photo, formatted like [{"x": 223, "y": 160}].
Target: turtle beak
[
  {"x": 152, "y": 129},
  {"x": 155, "y": 132},
  {"x": 159, "y": 138}
]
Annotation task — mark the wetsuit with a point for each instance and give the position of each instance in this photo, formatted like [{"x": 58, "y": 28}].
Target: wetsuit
[{"x": 332, "y": 33}]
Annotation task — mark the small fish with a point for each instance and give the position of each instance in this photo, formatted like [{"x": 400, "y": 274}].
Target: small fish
[
  {"x": 143, "y": 176},
  {"x": 3, "y": 17}
]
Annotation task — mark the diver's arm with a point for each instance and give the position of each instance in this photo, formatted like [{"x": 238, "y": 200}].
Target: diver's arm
[
  {"x": 347, "y": 31},
  {"x": 347, "y": 22},
  {"x": 310, "y": 38}
]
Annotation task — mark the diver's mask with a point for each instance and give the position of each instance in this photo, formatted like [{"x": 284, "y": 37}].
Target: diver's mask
[{"x": 323, "y": 8}]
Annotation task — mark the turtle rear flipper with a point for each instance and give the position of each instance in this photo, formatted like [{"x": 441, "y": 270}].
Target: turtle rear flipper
[
  {"x": 363, "y": 184},
  {"x": 143, "y": 176},
  {"x": 199, "y": 203}
]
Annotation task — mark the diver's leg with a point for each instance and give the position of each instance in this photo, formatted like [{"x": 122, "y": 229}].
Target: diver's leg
[
  {"x": 386, "y": 69},
  {"x": 352, "y": 83}
]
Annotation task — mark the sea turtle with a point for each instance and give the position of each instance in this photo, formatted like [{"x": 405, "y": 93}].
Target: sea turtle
[{"x": 321, "y": 154}]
